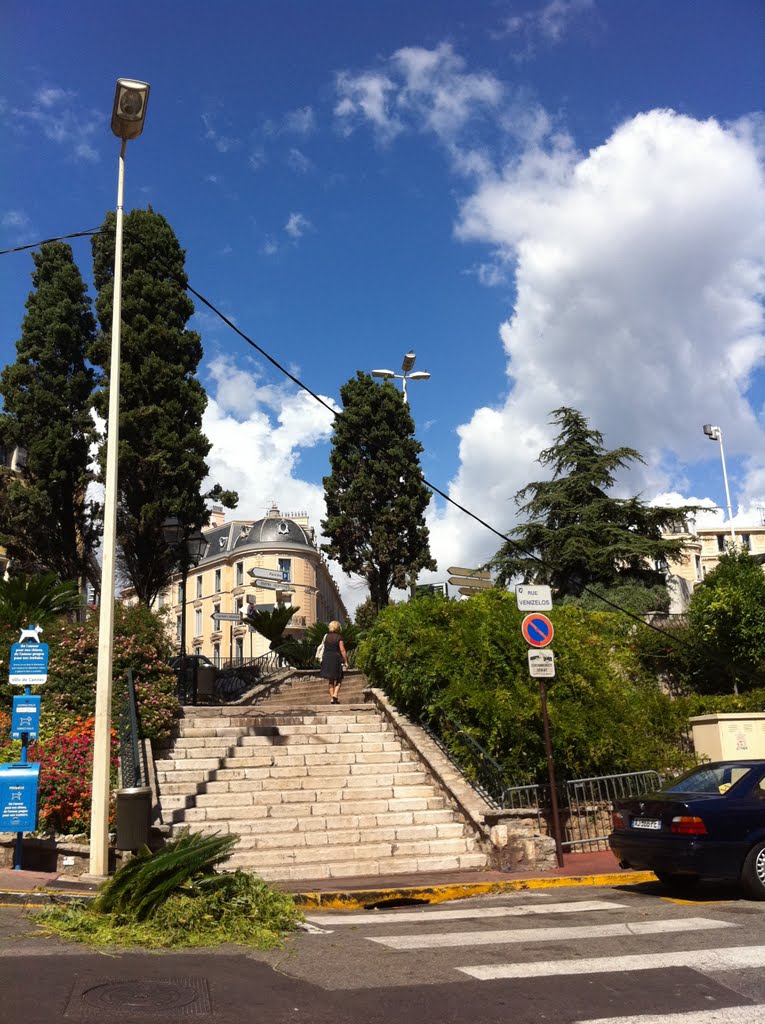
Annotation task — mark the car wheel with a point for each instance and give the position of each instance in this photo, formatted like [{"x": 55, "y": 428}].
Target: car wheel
[
  {"x": 753, "y": 872},
  {"x": 680, "y": 883}
]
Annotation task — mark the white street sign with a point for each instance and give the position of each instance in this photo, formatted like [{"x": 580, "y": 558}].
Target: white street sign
[
  {"x": 226, "y": 616},
  {"x": 472, "y": 583},
  {"x": 542, "y": 664},
  {"x": 269, "y": 574},
  {"x": 273, "y": 585},
  {"x": 533, "y": 599}
]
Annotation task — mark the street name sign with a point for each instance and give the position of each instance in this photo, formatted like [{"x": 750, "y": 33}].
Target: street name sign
[
  {"x": 533, "y": 599},
  {"x": 541, "y": 664},
  {"x": 269, "y": 574},
  {"x": 537, "y": 630},
  {"x": 29, "y": 664},
  {"x": 226, "y": 616},
  {"x": 476, "y": 574}
]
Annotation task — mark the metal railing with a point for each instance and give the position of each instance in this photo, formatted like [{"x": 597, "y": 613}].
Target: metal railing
[{"x": 132, "y": 767}]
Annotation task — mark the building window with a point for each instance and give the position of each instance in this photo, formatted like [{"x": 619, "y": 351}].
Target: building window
[
  {"x": 198, "y": 622},
  {"x": 178, "y": 624},
  {"x": 285, "y": 567},
  {"x": 698, "y": 567},
  {"x": 746, "y": 541},
  {"x": 179, "y": 594},
  {"x": 216, "y": 655},
  {"x": 199, "y": 586},
  {"x": 239, "y": 648},
  {"x": 239, "y": 605},
  {"x": 217, "y": 581},
  {"x": 240, "y": 574},
  {"x": 216, "y": 622},
  {"x": 721, "y": 542},
  {"x": 161, "y": 599}
]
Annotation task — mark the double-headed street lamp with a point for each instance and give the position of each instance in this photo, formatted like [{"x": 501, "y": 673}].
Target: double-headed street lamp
[
  {"x": 715, "y": 434},
  {"x": 128, "y": 115},
  {"x": 406, "y": 367},
  {"x": 189, "y": 546}
]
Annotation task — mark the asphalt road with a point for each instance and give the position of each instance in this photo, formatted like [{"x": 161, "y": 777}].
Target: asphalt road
[{"x": 625, "y": 955}]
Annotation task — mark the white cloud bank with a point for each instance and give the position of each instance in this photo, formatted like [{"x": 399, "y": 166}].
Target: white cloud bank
[{"x": 639, "y": 271}]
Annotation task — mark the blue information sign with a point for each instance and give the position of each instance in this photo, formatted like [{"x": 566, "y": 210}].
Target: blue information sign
[
  {"x": 18, "y": 797},
  {"x": 26, "y": 717},
  {"x": 29, "y": 664}
]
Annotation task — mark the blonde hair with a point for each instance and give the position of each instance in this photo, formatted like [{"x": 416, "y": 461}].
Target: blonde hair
[{"x": 334, "y": 627}]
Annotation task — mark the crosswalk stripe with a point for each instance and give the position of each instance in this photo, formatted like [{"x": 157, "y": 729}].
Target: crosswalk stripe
[
  {"x": 524, "y": 935},
  {"x": 723, "y": 1015},
  {"x": 733, "y": 958},
  {"x": 418, "y": 916}
]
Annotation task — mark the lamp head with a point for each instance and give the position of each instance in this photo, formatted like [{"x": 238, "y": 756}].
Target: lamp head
[
  {"x": 172, "y": 531},
  {"x": 385, "y": 374},
  {"x": 712, "y": 432},
  {"x": 129, "y": 111},
  {"x": 408, "y": 363},
  {"x": 419, "y": 375}
]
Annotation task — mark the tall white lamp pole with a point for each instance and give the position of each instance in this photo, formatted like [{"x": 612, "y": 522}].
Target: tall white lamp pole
[
  {"x": 715, "y": 434},
  {"x": 128, "y": 115},
  {"x": 406, "y": 367}
]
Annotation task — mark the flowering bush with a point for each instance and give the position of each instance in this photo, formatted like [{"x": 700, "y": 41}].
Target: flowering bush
[
  {"x": 66, "y": 768},
  {"x": 140, "y": 644}
]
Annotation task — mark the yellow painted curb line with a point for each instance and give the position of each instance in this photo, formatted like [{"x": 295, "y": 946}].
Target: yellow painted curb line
[{"x": 362, "y": 899}]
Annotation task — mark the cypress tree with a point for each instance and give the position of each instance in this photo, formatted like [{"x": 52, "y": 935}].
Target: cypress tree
[
  {"x": 45, "y": 522},
  {"x": 376, "y": 499},
  {"x": 162, "y": 448}
]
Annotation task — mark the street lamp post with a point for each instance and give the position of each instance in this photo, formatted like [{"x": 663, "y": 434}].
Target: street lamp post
[
  {"x": 128, "y": 115},
  {"x": 715, "y": 434},
  {"x": 190, "y": 546},
  {"x": 407, "y": 367}
]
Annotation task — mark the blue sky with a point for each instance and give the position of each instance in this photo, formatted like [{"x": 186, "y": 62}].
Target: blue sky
[{"x": 551, "y": 203}]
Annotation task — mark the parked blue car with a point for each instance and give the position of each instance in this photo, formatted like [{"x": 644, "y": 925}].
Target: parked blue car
[{"x": 709, "y": 823}]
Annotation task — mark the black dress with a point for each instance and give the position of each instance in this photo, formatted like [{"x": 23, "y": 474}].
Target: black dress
[{"x": 332, "y": 660}]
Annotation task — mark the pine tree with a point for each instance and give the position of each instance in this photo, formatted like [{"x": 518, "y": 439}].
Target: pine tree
[
  {"x": 45, "y": 522},
  {"x": 375, "y": 495},
  {"x": 580, "y": 535},
  {"x": 162, "y": 448}
]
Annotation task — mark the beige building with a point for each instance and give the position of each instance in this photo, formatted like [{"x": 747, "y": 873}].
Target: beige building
[
  {"x": 702, "y": 550},
  {"x": 284, "y": 544}
]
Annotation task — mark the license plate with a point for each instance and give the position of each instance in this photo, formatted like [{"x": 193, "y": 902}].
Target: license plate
[{"x": 648, "y": 823}]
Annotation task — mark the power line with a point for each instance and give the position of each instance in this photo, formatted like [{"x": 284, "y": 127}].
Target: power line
[{"x": 44, "y": 241}]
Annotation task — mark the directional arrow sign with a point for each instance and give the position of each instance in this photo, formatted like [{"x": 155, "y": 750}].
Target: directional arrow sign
[
  {"x": 269, "y": 574},
  {"x": 226, "y": 616},
  {"x": 477, "y": 574},
  {"x": 272, "y": 585},
  {"x": 472, "y": 584}
]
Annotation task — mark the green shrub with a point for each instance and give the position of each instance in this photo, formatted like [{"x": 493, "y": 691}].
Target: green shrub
[{"x": 466, "y": 661}]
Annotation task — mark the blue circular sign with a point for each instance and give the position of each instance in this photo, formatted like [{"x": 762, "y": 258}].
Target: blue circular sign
[{"x": 537, "y": 630}]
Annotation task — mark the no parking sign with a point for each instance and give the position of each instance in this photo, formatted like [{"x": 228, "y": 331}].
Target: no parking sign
[{"x": 537, "y": 630}]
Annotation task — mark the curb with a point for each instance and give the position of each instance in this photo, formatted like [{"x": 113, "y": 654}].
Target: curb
[{"x": 371, "y": 899}]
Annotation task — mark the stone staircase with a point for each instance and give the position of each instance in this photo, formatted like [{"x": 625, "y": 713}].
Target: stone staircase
[{"x": 313, "y": 790}]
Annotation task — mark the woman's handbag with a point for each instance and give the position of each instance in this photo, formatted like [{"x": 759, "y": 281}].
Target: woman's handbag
[{"x": 320, "y": 651}]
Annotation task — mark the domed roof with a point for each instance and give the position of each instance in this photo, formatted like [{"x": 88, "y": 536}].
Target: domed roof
[{"x": 273, "y": 530}]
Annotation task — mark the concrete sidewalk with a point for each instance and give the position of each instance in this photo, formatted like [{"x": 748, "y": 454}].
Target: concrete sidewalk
[{"x": 600, "y": 868}]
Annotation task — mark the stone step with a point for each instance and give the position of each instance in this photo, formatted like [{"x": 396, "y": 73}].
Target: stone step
[
  {"x": 358, "y": 867},
  {"x": 198, "y": 770},
  {"x": 303, "y": 808},
  {"x": 171, "y": 774},
  {"x": 352, "y": 850},
  {"x": 300, "y": 778},
  {"x": 223, "y": 727},
  {"x": 302, "y": 790},
  {"x": 297, "y": 826},
  {"x": 401, "y": 836}
]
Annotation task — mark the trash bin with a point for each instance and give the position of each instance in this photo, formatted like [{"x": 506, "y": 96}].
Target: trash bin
[
  {"x": 206, "y": 682},
  {"x": 133, "y": 817}
]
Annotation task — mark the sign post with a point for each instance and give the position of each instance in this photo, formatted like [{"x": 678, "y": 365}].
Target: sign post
[
  {"x": 538, "y": 631},
  {"x": 469, "y": 581},
  {"x": 18, "y": 782}
]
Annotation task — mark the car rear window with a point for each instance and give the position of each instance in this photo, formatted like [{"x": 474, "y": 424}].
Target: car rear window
[{"x": 710, "y": 779}]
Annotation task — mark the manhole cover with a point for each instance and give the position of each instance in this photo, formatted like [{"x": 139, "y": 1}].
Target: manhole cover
[{"x": 135, "y": 997}]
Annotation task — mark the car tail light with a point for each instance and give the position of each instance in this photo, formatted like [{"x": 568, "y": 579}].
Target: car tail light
[
  {"x": 686, "y": 826},
  {"x": 617, "y": 820}
]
